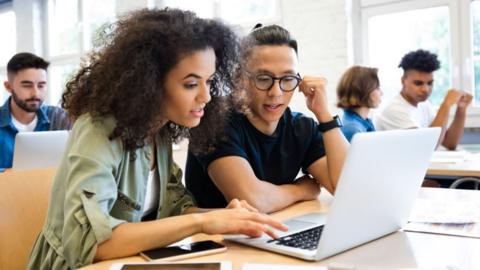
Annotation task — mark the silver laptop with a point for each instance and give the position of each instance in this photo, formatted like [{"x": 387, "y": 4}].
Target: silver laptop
[
  {"x": 376, "y": 191},
  {"x": 41, "y": 149}
]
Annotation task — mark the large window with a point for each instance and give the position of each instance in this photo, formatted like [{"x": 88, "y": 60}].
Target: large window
[
  {"x": 392, "y": 28},
  {"x": 204, "y": 8},
  {"x": 63, "y": 28},
  {"x": 59, "y": 73},
  {"x": 241, "y": 11},
  {"x": 73, "y": 25},
  {"x": 72, "y": 29},
  {"x": 9, "y": 36},
  {"x": 423, "y": 28},
  {"x": 3, "y": 93},
  {"x": 476, "y": 47},
  {"x": 8, "y": 46},
  {"x": 244, "y": 13}
]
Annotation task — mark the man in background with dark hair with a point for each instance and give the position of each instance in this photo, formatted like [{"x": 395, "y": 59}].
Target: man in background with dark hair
[
  {"x": 23, "y": 110},
  {"x": 411, "y": 109}
]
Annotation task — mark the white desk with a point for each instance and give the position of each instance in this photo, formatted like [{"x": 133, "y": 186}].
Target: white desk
[
  {"x": 398, "y": 250},
  {"x": 448, "y": 173},
  {"x": 461, "y": 169}
]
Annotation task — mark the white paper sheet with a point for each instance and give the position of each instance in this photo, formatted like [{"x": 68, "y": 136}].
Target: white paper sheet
[
  {"x": 332, "y": 266},
  {"x": 448, "y": 157},
  {"x": 252, "y": 266},
  {"x": 445, "y": 211},
  {"x": 446, "y": 217}
]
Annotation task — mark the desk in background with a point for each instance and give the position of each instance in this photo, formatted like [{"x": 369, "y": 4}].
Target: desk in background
[
  {"x": 464, "y": 168},
  {"x": 456, "y": 167},
  {"x": 397, "y": 250}
]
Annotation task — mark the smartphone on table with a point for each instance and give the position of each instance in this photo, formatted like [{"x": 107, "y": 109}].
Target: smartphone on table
[
  {"x": 180, "y": 252},
  {"x": 221, "y": 265}
]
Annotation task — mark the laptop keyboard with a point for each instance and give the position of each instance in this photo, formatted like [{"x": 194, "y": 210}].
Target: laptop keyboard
[{"x": 307, "y": 239}]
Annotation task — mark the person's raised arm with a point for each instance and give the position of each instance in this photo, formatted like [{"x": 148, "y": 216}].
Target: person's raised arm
[
  {"x": 326, "y": 170},
  {"x": 455, "y": 132},
  {"x": 441, "y": 119},
  {"x": 235, "y": 178}
]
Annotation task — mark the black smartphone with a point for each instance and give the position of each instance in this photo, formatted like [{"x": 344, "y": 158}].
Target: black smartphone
[
  {"x": 171, "y": 266},
  {"x": 172, "y": 253}
]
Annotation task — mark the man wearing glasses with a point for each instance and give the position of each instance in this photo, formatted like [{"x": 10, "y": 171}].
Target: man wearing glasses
[{"x": 267, "y": 145}]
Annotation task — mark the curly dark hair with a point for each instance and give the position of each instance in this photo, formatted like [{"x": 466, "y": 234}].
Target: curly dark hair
[
  {"x": 125, "y": 76},
  {"x": 271, "y": 35},
  {"x": 420, "y": 60}
]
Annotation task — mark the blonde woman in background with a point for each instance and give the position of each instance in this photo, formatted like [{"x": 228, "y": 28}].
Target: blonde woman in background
[{"x": 357, "y": 93}]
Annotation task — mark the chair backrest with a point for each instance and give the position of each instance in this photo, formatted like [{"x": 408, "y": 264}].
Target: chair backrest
[
  {"x": 24, "y": 200},
  {"x": 466, "y": 183}
]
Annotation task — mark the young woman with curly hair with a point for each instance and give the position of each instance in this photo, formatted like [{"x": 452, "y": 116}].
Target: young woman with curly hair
[{"x": 117, "y": 191}]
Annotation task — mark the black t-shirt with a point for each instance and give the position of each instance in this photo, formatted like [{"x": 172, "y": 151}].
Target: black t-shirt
[{"x": 295, "y": 145}]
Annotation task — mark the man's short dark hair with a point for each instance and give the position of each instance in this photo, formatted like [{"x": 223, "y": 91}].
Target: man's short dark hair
[
  {"x": 272, "y": 35},
  {"x": 25, "y": 60},
  {"x": 420, "y": 60}
]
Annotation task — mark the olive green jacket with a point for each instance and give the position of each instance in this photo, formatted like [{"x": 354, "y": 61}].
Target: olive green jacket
[{"x": 96, "y": 188}]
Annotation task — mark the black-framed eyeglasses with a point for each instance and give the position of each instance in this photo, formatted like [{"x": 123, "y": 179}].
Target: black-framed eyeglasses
[{"x": 287, "y": 83}]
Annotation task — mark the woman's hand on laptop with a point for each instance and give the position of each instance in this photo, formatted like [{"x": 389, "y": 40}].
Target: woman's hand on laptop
[
  {"x": 238, "y": 221},
  {"x": 236, "y": 203}
]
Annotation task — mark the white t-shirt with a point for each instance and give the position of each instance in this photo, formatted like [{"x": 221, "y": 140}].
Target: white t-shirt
[
  {"x": 152, "y": 194},
  {"x": 25, "y": 128},
  {"x": 400, "y": 114}
]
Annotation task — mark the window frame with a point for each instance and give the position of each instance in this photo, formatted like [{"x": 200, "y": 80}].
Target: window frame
[
  {"x": 69, "y": 58},
  {"x": 58, "y": 59},
  {"x": 73, "y": 58},
  {"x": 461, "y": 36},
  {"x": 245, "y": 26},
  {"x": 4, "y": 8}
]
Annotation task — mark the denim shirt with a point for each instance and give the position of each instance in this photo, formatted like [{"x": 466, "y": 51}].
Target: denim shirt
[
  {"x": 98, "y": 186},
  {"x": 49, "y": 118},
  {"x": 354, "y": 123}
]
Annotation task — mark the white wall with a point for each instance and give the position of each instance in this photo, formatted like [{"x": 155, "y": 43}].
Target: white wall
[{"x": 320, "y": 28}]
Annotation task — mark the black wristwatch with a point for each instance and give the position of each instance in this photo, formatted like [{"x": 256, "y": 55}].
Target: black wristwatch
[{"x": 336, "y": 122}]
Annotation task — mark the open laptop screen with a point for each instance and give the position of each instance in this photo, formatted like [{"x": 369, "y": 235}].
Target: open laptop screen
[{"x": 42, "y": 149}]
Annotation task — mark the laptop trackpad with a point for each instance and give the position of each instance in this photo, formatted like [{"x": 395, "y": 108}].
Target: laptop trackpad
[
  {"x": 293, "y": 227},
  {"x": 297, "y": 225},
  {"x": 316, "y": 217},
  {"x": 301, "y": 223}
]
